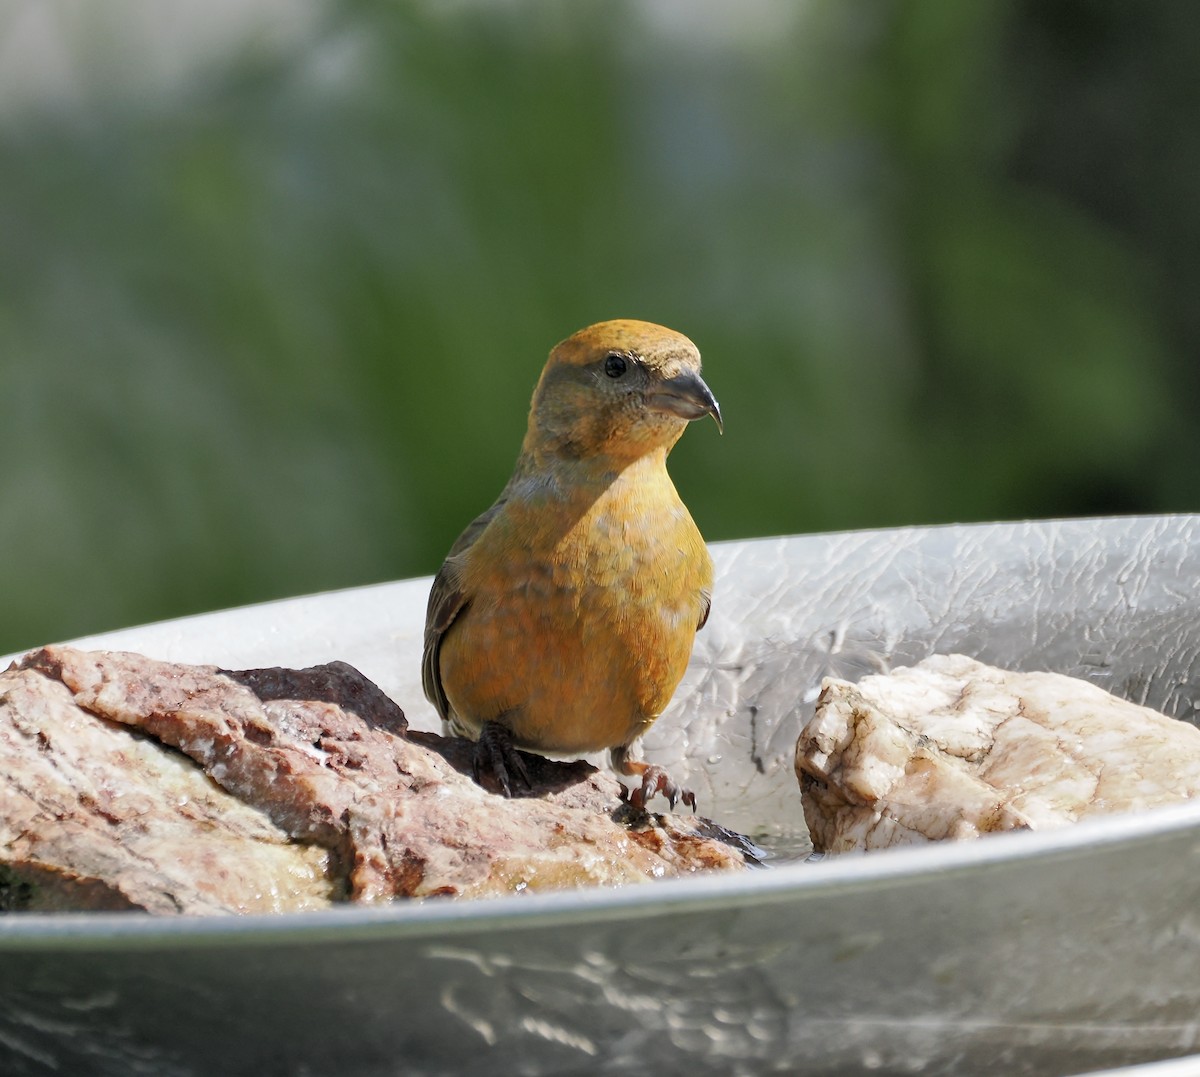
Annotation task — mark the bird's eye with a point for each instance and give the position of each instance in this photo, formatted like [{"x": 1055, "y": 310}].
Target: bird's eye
[{"x": 615, "y": 366}]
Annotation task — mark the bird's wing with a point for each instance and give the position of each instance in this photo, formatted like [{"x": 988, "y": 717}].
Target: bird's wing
[
  {"x": 447, "y": 600},
  {"x": 705, "y": 608}
]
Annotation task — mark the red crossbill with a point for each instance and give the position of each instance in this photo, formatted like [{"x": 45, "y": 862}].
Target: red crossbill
[{"x": 563, "y": 617}]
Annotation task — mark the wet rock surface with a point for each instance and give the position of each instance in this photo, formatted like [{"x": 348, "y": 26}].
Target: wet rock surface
[{"x": 130, "y": 783}]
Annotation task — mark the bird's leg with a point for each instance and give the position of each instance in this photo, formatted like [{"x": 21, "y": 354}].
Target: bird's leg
[
  {"x": 494, "y": 751},
  {"x": 654, "y": 779}
]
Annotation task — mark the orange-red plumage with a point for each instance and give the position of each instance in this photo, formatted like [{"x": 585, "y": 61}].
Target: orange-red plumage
[{"x": 565, "y": 614}]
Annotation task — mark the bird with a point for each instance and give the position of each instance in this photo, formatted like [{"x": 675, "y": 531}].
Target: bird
[{"x": 563, "y": 618}]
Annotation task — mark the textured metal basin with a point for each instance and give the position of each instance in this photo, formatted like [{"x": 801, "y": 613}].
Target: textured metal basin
[{"x": 1038, "y": 953}]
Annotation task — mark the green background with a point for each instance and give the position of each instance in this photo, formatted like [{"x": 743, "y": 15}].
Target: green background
[{"x": 277, "y": 278}]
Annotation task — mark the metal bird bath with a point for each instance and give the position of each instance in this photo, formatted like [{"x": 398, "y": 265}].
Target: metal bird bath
[{"x": 1035, "y": 953}]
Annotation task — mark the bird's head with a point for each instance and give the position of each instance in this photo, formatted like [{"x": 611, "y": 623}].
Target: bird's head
[{"x": 618, "y": 389}]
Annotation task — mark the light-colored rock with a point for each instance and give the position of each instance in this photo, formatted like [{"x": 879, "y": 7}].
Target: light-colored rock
[
  {"x": 93, "y": 817},
  {"x": 952, "y": 748}
]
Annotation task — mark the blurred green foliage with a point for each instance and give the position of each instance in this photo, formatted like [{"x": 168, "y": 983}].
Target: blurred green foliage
[{"x": 277, "y": 278}]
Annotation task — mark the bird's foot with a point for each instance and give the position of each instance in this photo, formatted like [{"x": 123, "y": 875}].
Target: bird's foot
[
  {"x": 494, "y": 753},
  {"x": 654, "y": 779}
]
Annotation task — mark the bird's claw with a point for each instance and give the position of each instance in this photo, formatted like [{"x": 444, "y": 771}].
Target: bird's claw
[
  {"x": 656, "y": 780},
  {"x": 494, "y": 752}
]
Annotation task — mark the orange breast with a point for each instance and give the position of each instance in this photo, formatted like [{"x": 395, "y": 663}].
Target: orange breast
[{"x": 582, "y": 616}]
